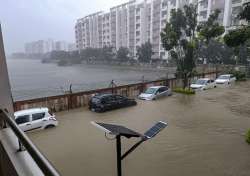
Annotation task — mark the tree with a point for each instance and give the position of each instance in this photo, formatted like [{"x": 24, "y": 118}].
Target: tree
[
  {"x": 216, "y": 52},
  {"x": 123, "y": 54},
  {"x": 145, "y": 52},
  {"x": 108, "y": 53},
  {"x": 238, "y": 38},
  {"x": 211, "y": 28},
  {"x": 178, "y": 38}
]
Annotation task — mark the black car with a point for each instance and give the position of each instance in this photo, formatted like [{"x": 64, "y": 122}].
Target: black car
[{"x": 106, "y": 102}]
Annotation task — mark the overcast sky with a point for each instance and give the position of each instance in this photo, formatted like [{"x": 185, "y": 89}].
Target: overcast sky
[{"x": 28, "y": 20}]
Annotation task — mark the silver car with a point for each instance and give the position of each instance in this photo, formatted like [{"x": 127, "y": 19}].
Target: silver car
[{"x": 155, "y": 92}]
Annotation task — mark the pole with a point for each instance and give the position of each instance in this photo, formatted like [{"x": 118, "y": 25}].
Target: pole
[{"x": 118, "y": 152}]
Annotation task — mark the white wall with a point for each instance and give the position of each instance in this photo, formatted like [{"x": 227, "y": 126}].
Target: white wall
[{"x": 5, "y": 91}]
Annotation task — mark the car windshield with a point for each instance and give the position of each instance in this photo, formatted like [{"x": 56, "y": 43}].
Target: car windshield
[
  {"x": 150, "y": 91},
  {"x": 224, "y": 77},
  {"x": 201, "y": 81}
]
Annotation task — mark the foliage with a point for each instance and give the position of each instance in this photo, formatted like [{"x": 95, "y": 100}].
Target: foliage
[
  {"x": 248, "y": 137},
  {"x": 145, "y": 52},
  {"x": 123, "y": 54},
  {"x": 237, "y": 37},
  {"x": 211, "y": 28},
  {"x": 62, "y": 62},
  {"x": 245, "y": 13},
  {"x": 240, "y": 36},
  {"x": 59, "y": 55},
  {"x": 240, "y": 76},
  {"x": 184, "y": 91},
  {"x": 216, "y": 52},
  {"x": 178, "y": 38}
]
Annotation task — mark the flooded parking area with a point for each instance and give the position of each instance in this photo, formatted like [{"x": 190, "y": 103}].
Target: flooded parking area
[{"x": 205, "y": 137}]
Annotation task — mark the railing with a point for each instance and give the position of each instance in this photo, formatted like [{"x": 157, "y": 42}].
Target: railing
[{"x": 24, "y": 142}]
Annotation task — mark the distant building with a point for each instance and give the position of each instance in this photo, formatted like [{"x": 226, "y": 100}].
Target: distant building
[
  {"x": 46, "y": 46},
  {"x": 136, "y": 22},
  {"x": 71, "y": 47}
]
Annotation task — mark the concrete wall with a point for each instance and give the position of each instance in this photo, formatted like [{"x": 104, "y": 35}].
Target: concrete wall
[
  {"x": 5, "y": 91},
  {"x": 81, "y": 99}
]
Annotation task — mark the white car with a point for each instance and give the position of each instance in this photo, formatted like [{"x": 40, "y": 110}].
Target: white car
[
  {"x": 36, "y": 118},
  {"x": 225, "y": 79},
  {"x": 203, "y": 84},
  {"x": 155, "y": 92}
]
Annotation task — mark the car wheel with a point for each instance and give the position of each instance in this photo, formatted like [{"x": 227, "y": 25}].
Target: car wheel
[{"x": 49, "y": 126}]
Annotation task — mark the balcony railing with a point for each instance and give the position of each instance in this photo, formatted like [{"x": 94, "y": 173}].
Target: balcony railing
[{"x": 24, "y": 142}]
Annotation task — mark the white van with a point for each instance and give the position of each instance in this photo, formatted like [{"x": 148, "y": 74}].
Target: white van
[{"x": 36, "y": 118}]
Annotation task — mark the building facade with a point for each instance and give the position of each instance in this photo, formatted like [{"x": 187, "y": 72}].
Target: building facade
[
  {"x": 46, "y": 46},
  {"x": 132, "y": 24}
]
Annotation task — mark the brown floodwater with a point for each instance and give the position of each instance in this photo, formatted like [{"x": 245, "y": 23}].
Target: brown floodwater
[{"x": 205, "y": 137}]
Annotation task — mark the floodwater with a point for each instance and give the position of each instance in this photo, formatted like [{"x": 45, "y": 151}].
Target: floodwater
[
  {"x": 205, "y": 137},
  {"x": 32, "y": 79}
]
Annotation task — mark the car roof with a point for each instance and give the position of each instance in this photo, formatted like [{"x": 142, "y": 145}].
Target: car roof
[
  {"x": 226, "y": 75},
  {"x": 204, "y": 79},
  {"x": 157, "y": 87},
  {"x": 30, "y": 111},
  {"x": 102, "y": 95}
]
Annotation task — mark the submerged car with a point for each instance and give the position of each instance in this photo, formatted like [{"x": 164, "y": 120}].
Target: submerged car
[
  {"x": 36, "y": 118},
  {"x": 203, "y": 84},
  {"x": 225, "y": 79},
  {"x": 106, "y": 102},
  {"x": 155, "y": 92}
]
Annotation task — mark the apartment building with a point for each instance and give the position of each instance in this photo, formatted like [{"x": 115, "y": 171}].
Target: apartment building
[
  {"x": 133, "y": 23},
  {"x": 45, "y": 46},
  {"x": 229, "y": 11}
]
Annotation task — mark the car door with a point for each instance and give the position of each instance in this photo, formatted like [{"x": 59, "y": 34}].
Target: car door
[
  {"x": 212, "y": 83},
  {"x": 232, "y": 79},
  {"x": 24, "y": 122},
  {"x": 209, "y": 84},
  {"x": 109, "y": 102},
  {"x": 38, "y": 120},
  {"x": 120, "y": 101},
  {"x": 160, "y": 92}
]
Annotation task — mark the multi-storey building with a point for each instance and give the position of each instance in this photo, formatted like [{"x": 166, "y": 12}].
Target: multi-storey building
[
  {"x": 138, "y": 21},
  {"x": 45, "y": 46},
  {"x": 229, "y": 11}
]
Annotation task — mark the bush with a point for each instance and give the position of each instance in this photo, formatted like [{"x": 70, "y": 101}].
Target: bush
[
  {"x": 184, "y": 91},
  {"x": 248, "y": 137},
  {"x": 240, "y": 76}
]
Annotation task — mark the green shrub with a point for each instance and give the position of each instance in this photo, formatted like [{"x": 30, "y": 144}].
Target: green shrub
[
  {"x": 240, "y": 76},
  {"x": 248, "y": 137},
  {"x": 184, "y": 91}
]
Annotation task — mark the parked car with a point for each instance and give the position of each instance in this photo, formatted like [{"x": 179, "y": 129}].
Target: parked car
[
  {"x": 106, "y": 102},
  {"x": 155, "y": 92},
  {"x": 36, "y": 118},
  {"x": 225, "y": 79},
  {"x": 203, "y": 84}
]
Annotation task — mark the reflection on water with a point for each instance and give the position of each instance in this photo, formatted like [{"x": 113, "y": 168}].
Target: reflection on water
[{"x": 204, "y": 137}]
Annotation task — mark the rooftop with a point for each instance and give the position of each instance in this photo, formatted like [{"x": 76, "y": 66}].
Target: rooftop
[{"x": 205, "y": 131}]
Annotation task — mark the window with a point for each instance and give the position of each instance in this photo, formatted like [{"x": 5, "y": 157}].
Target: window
[
  {"x": 38, "y": 116},
  {"x": 162, "y": 89},
  {"x": 23, "y": 119},
  {"x": 118, "y": 97}
]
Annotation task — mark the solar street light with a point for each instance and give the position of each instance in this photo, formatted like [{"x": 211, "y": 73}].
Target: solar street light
[{"x": 118, "y": 131}]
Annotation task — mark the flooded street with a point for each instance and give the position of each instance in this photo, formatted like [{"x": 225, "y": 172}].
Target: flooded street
[{"x": 205, "y": 137}]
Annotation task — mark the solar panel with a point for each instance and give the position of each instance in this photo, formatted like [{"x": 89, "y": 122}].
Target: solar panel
[
  {"x": 154, "y": 130},
  {"x": 116, "y": 129}
]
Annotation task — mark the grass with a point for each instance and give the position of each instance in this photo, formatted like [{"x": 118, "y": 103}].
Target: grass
[
  {"x": 248, "y": 137},
  {"x": 184, "y": 91}
]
